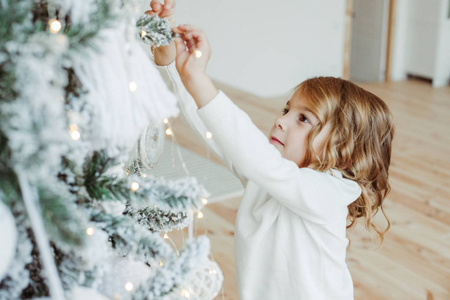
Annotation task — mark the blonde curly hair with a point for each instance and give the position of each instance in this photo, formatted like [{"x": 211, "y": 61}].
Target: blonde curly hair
[{"x": 358, "y": 144}]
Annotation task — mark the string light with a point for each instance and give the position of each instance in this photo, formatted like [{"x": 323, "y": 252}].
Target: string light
[
  {"x": 166, "y": 236},
  {"x": 200, "y": 215},
  {"x": 134, "y": 186},
  {"x": 212, "y": 272},
  {"x": 208, "y": 135},
  {"x": 127, "y": 172},
  {"x": 198, "y": 53},
  {"x": 143, "y": 33},
  {"x": 144, "y": 175},
  {"x": 129, "y": 286},
  {"x": 132, "y": 86},
  {"x": 74, "y": 133},
  {"x": 90, "y": 231},
  {"x": 204, "y": 201},
  {"x": 161, "y": 263},
  {"x": 169, "y": 131},
  {"x": 55, "y": 25},
  {"x": 166, "y": 121},
  {"x": 186, "y": 294}
]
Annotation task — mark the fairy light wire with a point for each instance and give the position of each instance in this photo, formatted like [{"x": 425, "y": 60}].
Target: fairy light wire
[{"x": 167, "y": 237}]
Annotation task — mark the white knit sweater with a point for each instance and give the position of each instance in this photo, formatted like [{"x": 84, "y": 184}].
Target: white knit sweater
[{"x": 290, "y": 237}]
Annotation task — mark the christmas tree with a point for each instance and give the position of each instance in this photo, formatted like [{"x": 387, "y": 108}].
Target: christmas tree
[{"x": 78, "y": 94}]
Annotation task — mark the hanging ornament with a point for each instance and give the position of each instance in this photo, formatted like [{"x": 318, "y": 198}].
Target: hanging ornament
[
  {"x": 205, "y": 283},
  {"x": 151, "y": 144},
  {"x": 148, "y": 149},
  {"x": 8, "y": 239},
  {"x": 126, "y": 91},
  {"x": 154, "y": 31}
]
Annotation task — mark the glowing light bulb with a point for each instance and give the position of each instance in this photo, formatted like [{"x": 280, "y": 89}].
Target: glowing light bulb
[
  {"x": 55, "y": 25},
  {"x": 186, "y": 294},
  {"x": 204, "y": 201},
  {"x": 134, "y": 186},
  {"x": 166, "y": 236},
  {"x": 166, "y": 121},
  {"x": 144, "y": 175},
  {"x": 132, "y": 86},
  {"x": 200, "y": 215},
  {"x": 74, "y": 133},
  {"x": 161, "y": 263},
  {"x": 212, "y": 272},
  {"x": 208, "y": 135},
  {"x": 90, "y": 231},
  {"x": 143, "y": 33},
  {"x": 198, "y": 53},
  {"x": 169, "y": 131},
  {"x": 129, "y": 286}
]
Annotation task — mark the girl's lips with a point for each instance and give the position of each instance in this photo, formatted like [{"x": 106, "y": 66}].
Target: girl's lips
[{"x": 274, "y": 140}]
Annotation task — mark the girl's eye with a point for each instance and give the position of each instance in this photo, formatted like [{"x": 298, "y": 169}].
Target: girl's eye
[
  {"x": 285, "y": 111},
  {"x": 303, "y": 118}
]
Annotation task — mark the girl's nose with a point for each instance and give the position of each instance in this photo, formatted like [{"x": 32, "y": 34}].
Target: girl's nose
[{"x": 280, "y": 122}]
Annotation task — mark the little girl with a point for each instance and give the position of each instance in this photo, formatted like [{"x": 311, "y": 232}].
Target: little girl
[{"x": 325, "y": 163}]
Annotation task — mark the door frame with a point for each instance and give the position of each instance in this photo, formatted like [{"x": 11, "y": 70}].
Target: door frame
[{"x": 389, "y": 44}]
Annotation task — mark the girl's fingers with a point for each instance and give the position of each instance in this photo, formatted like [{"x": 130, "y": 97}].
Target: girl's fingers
[
  {"x": 188, "y": 27},
  {"x": 166, "y": 12},
  {"x": 177, "y": 30},
  {"x": 182, "y": 53},
  {"x": 156, "y": 6},
  {"x": 163, "y": 11},
  {"x": 190, "y": 31},
  {"x": 169, "y": 4}
]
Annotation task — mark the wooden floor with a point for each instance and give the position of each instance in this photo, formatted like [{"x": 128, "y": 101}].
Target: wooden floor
[{"x": 414, "y": 261}]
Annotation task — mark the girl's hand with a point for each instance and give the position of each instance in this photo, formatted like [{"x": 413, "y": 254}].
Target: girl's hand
[
  {"x": 163, "y": 11},
  {"x": 191, "y": 65},
  {"x": 164, "y": 55},
  {"x": 193, "y": 52}
]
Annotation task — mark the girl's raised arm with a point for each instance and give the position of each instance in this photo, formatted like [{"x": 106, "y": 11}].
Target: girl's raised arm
[{"x": 316, "y": 196}]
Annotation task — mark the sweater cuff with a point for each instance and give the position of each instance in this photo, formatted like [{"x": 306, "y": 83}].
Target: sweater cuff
[{"x": 213, "y": 111}]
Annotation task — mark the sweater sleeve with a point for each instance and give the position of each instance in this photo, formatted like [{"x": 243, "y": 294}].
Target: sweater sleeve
[
  {"x": 314, "y": 195},
  {"x": 189, "y": 109}
]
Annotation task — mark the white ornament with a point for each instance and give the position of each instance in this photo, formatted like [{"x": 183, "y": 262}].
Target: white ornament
[
  {"x": 120, "y": 114},
  {"x": 203, "y": 284},
  {"x": 8, "y": 238},
  {"x": 151, "y": 144}
]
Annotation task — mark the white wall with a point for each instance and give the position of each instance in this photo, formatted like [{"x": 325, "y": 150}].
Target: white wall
[
  {"x": 422, "y": 40},
  {"x": 267, "y": 47}
]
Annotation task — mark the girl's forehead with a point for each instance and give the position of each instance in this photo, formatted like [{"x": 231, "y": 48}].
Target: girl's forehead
[{"x": 298, "y": 100}]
